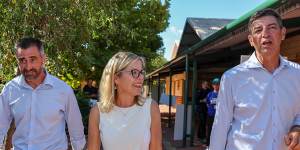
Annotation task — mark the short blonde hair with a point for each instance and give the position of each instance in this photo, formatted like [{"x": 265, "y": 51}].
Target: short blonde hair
[{"x": 107, "y": 88}]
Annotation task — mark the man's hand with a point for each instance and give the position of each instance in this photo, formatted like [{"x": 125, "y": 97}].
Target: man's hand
[{"x": 292, "y": 138}]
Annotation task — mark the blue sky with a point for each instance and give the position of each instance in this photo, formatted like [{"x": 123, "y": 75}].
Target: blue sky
[{"x": 181, "y": 9}]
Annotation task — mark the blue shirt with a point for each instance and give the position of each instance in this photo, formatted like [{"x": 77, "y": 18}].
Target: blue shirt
[
  {"x": 40, "y": 115},
  {"x": 211, "y": 101},
  {"x": 256, "y": 108}
]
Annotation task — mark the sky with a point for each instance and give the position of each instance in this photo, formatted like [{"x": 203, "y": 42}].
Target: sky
[{"x": 181, "y": 9}]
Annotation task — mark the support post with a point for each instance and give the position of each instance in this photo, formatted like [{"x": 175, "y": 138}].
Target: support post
[
  {"x": 170, "y": 98},
  {"x": 158, "y": 89},
  {"x": 194, "y": 88},
  {"x": 186, "y": 98},
  {"x": 149, "y": 87}
]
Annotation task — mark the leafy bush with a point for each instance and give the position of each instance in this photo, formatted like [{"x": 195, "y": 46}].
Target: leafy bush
[
  {"x": 1, "y": 86},
  {"x": 83, "y": 103}
]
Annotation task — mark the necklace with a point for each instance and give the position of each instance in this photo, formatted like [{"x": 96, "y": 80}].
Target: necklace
[{"x": 125, "y": 111}]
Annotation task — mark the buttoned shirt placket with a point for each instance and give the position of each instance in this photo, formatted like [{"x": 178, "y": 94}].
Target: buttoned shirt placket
[
  {"x": 33, "y": 102},
  {"x": 31, "y": 127},
  {"x": 273, "y": 110},
  {"x": 273, "y": 87}
]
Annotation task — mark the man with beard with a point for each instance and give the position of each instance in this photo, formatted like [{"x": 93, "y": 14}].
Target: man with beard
[{"x": 40, "y": 104}]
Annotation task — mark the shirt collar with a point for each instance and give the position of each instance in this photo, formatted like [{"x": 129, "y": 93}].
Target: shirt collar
[
  {"x": 48, "y": 81},
  {"x": 253, "y": 62}
]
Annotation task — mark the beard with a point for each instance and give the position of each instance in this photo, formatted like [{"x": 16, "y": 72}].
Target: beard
[{"x": 32, "y": 74}]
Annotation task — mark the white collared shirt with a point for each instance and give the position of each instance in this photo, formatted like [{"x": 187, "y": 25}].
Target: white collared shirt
[
  {"x": 256, "y": 108},
  {"x": 41, "y": 114}
]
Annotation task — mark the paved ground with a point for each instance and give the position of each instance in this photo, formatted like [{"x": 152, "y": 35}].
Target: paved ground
[{"x": 168, "y": 142}]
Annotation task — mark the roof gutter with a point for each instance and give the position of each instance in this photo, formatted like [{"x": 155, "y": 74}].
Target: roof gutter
[{"x": 166, "y": 65}]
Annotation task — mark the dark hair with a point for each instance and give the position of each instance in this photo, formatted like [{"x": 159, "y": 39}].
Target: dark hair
[
  {"x": 27, "y": 42},
  {"x": 262, "y": 13}
]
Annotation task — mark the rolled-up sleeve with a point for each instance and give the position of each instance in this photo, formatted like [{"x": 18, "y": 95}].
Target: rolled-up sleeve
[
  {"x": 223, "y": 117},
  {"x": 74, "y": 122},
  {"x": 5, "y": 116}
]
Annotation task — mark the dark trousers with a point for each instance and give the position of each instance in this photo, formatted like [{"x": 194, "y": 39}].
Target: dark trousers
[
  {"x": 210, "y": 121},
  {"x": 202, "y": 113},
  {"x": 202, "y": 126}
]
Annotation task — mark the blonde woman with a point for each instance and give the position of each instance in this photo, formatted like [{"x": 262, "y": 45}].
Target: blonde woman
[{"x": 123, "y": 119}]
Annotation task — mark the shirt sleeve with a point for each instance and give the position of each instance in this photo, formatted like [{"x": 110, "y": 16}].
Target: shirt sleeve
[
  {"x": 208, "y": 99},
  {"x": 223, "y": 117},
  {"x": 74, "y": 122},
  {"x": 5, "y": 116},
  {"x": 297, "y": 119}
]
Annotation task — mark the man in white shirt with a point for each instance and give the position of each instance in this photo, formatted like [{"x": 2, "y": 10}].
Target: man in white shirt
[
  {"x": 40, "y": 104},
  {"x": 258, "y": 104}
]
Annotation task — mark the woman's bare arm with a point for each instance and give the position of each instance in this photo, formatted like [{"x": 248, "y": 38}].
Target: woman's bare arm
[
  {"x": 94, "y": 141},
  {"x": 156, "y": 133}
]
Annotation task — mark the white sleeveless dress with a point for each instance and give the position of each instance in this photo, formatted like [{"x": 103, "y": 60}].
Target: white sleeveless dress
[{"x": 126, "y": 128}]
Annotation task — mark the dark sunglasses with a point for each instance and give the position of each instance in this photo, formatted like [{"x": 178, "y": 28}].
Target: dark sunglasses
[{"x": 136, "y": 73}]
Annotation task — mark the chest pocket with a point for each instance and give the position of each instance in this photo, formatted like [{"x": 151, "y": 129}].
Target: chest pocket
[{"x": 19, "y": 105}]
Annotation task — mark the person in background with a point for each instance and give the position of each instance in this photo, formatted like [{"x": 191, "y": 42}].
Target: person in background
[
  {"x": 90, "y": 90},
  {"x": 211, "y": 101},
  {"x": 40, "y": 104},
  {"x": 123, "y": 119},
  {"x": 201, "y": 110}
]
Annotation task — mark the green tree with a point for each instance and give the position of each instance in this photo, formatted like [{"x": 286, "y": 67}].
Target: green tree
[{"x": 80, "y": 36}]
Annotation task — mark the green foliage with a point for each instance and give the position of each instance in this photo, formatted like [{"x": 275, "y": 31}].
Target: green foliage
[
  {"x": 1, "y": 86},
  {"x": 80, "y": 36},
  {"x": 157, "y": 62},
  {"x": 83, "y": 103},
  {"x": 55, "y": 22},
  {"x": 128, "y": 26}
]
